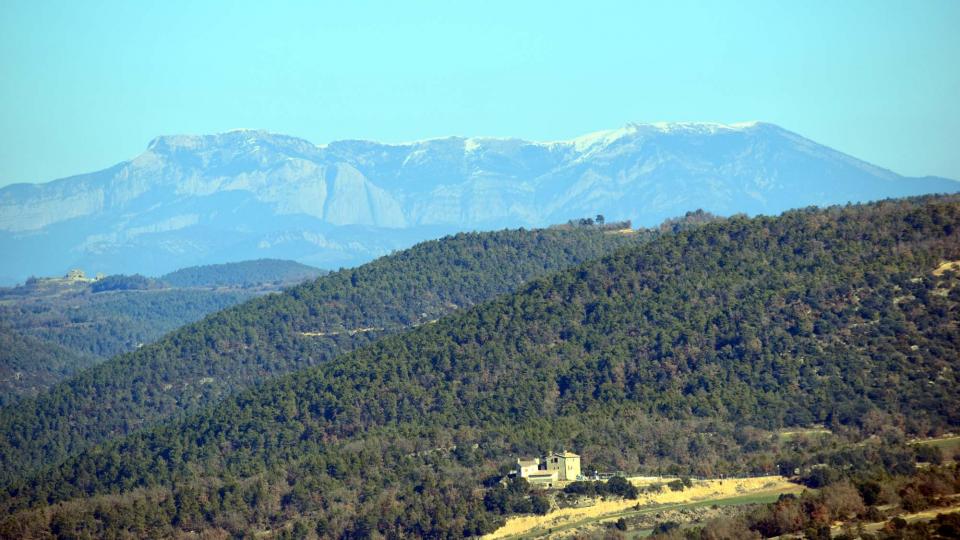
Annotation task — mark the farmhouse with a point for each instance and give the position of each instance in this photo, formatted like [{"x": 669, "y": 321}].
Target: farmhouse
[
  {"x": 555, "y": 467},
  {"x": 567, "y": 465},
  {"x": 526, "y": 467}
]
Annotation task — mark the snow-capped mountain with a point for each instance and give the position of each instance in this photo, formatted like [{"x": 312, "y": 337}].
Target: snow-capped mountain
[{"x": 249, "y": 194}]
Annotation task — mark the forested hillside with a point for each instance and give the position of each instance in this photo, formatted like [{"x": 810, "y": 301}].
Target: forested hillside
[
  {"x": 244, "y": 273},
  {"x": 673, "y": 355},
  {"x": 279, "y": 333},
  {"x": 111, "y": 323},
  {"x": 55, "y": 327},
  {"x": 29, "y": 365},
  {"x": 53, "y": 334}
]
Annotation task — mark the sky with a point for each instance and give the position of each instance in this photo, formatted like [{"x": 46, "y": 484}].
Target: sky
[{"x": 88, "y": 84}]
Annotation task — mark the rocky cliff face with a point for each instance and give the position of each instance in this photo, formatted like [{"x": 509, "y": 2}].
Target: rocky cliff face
[{"x": 251, "y": 194}]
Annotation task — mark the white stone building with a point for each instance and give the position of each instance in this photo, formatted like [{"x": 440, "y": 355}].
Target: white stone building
[{"x": 555, "y": 467}]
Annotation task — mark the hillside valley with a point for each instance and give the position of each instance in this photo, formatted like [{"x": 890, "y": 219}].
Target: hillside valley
[
  {"x": 683, "y": 354},
  {"x": 53, "y": 328},
  {"x": 492, "y": 271},
  {"x": 305, "y": 325}
]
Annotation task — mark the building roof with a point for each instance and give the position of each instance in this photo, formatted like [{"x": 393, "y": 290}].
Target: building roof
[
  {"x": 528, "y": 462},
  {"x": 565, "y": 455}
]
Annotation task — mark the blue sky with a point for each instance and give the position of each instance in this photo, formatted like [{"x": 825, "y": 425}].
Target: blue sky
[{"x": 88, "y": 84}]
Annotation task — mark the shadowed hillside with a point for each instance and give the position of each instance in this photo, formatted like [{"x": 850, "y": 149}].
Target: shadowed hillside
[
  {"x": 677, "y": 353},
  {"x": 279, "y": 333}
]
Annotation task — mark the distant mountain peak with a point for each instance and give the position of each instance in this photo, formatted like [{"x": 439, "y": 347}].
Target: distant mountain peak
[
  {"x": 700, "y": 128},
  {"x": 250, "y": 138},
  {"x": 603, "y": 138},
  {"x": 251, "y": 193},
  {"x": 600, "y": 138},
  {"x": 235, "y": 139}
]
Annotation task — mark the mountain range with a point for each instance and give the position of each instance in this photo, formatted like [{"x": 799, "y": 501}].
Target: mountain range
[{"x": 247, "y": 194}]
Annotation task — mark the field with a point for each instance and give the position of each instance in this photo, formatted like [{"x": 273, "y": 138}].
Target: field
[
  {"x": 786, "y": 435},
  {"x": 948, "y": 445},
  {"x": 706, "y": 493}
]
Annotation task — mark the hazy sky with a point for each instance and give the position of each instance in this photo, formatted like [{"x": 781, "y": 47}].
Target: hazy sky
[{"x": 88, "y": 84}]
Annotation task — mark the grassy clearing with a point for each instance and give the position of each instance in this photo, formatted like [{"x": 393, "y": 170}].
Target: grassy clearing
[
  {"x": 703, "y": 493},
  {"x": 786, "y": 435},
  {"x": 948, "y": 445},
  {"x": 753, "y": 498}
]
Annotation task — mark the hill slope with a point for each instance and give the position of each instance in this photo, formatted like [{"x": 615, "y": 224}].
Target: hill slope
[
  {"x": 242, "y": 273},
  {"x": 55, "y": 327},
  {"x": 74, "y": 329},
  {"x": 29, "y": 365},
  {"x": 279, "y": 333},
  {"x": 191, "y": 200},
  {"x": 675, "y": 352}
]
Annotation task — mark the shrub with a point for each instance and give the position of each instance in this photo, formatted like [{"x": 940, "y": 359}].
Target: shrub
[
  {"x": 665, "y": 527},
  {"x": 927, "y": 453},
  {"x": 676, "y": 485}
]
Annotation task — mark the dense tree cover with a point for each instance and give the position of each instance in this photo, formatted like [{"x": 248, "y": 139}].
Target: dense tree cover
[
  {"x": 598, "y": 222},
  {"x": 690, "y": 219},
  {"x": 64, "y": 312},
  {"x": 105, "y": 325},
  {"x": 71, "y": 330},
  {"x": 280, "y": 333},
  {"x": 123, "y": 282},
  {"x": 29, "y": 365},
  {"x": 242, "y": 273},
  {"x": 674, "y": 354},
  {"x": 515, "y": 497}
]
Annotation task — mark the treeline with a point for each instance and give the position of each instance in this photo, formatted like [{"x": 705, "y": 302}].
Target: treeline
[
  {"x": 675, "y": 354},
  {"x": 275, "y": 334},
  {"x": 690, "y": 219},
  {"x": 599, "y": 223},
  {"x": 244, "y": 273},
  {"x": 122, "y": 282}
]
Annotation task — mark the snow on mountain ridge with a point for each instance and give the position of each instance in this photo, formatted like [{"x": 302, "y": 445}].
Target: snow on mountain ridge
[
  {"x": 253, "y": 140},
  {"x": 254, "y": 194},
  {"x": 579, "y": 142},
  {"x": 701, "y": 127},
  {"x": 601, "y": 138}
]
